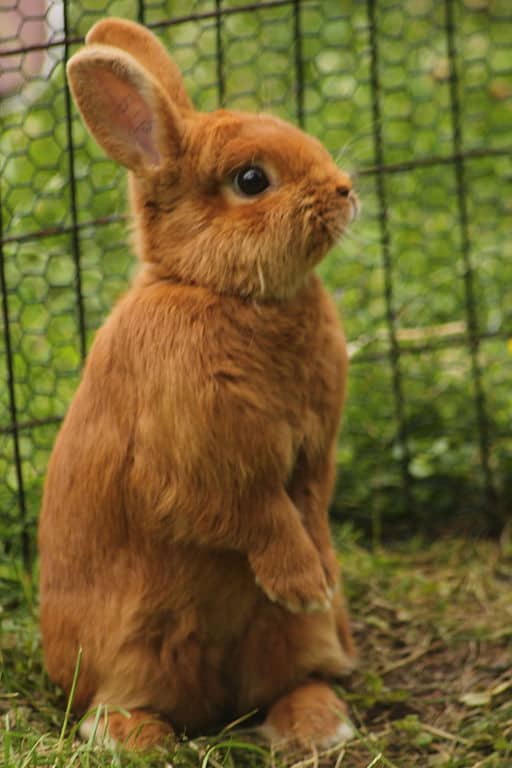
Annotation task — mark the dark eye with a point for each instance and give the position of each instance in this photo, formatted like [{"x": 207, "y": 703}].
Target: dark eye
[{"x": 251, "y": 181}]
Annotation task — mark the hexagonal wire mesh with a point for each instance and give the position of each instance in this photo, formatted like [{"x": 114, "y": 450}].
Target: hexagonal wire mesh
[{"x": 415, "y": 97}]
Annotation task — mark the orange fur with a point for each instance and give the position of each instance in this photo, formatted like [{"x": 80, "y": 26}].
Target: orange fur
[
  {"x": 310, "y": 716},
  {"x": 184, "y": 536}
]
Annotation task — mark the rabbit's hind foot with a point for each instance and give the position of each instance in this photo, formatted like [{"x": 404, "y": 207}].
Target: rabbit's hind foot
[
  {"x": 135, "y": 729},
  {"x": 310, "y": 717}
]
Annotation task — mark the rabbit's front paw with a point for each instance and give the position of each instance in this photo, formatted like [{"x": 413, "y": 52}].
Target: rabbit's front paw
[{"x": 295, "y": 581}]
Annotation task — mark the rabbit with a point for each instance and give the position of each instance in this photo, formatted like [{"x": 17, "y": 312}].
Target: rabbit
[{"x": 184, "y": 538}]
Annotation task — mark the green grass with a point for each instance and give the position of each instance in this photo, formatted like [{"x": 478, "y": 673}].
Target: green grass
[{"x": 433, "y": 688}]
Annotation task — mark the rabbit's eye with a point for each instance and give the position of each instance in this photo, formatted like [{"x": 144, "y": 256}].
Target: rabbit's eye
[{"x": 251, "y": 181}]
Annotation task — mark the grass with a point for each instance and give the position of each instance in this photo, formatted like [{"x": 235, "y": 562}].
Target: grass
[{"x": 433, "y": 688}]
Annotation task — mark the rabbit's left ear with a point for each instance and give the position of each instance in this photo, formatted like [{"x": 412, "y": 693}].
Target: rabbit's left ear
[
  {"x": 124, "y": 108},
  {"x": 145, "y": 47}
]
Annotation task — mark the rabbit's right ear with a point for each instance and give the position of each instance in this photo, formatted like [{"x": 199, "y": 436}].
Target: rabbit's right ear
[
  {"x": 142, "y": 44},
  {"x": 125, "y": 110}
]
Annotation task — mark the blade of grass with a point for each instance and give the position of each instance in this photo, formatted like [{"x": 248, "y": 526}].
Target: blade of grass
[
  {"x": 70, "y": 701},
  {"x": 243, "y": 745}
]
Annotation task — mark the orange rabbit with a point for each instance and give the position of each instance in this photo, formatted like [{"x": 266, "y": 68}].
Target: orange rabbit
[{"x": 184, "y": 536}]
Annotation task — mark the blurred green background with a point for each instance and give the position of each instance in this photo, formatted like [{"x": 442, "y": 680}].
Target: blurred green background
[{"x": 401, "y": 85}]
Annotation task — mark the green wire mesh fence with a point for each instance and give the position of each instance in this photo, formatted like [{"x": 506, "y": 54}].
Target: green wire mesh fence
[{"x": 414, "y": 98}]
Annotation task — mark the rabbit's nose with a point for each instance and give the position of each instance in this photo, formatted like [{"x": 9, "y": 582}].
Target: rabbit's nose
[
  {"x": 343, "y": 190},
  {"x": 342, "y": 184}
]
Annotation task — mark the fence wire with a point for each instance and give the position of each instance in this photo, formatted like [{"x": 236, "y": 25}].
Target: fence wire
[{"x": 415, "y": 99}]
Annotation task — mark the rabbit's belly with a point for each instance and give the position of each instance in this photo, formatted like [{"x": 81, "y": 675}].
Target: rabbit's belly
[
  {"x": 203, "y": 650},
  {"x": 210, "y": 648},
  {"x": 219, "y": 672}
]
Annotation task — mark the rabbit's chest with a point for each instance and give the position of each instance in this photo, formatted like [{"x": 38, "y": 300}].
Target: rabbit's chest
[
  {"x": 267, "y": 374},
  {"x": 273, "y": 393}
]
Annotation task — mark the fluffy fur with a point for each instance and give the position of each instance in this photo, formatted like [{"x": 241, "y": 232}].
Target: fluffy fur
[{"x": 184, "y": 537}]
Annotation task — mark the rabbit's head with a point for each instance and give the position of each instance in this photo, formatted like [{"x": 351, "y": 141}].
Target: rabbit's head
[{"x": 245, "y": 204}]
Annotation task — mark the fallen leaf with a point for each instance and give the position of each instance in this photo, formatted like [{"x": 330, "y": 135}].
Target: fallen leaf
[{"x": 476, "y": 699}]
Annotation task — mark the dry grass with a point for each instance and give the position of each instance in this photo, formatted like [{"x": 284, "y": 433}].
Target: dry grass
[
  {"x": 433, "y": 688},
  {"x": 435, "y": 631}
]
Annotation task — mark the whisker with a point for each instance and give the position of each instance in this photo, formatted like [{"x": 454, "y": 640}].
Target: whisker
[
  {"x": 360, "y": 240},
  {"x": 261, "y": 278},
  {"x": 365, "y": 132}
]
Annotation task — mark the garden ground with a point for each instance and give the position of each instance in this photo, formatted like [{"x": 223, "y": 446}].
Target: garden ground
[{"x": 433, "y": 624}]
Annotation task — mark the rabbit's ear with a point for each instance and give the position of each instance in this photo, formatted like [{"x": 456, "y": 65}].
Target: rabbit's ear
[
  {"x": 142, "y": 44},
  {"x": 125, "y": 109}
]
